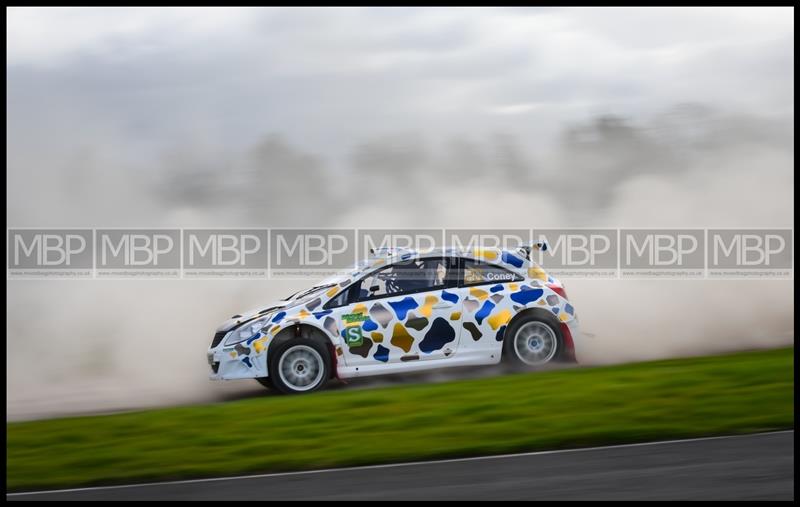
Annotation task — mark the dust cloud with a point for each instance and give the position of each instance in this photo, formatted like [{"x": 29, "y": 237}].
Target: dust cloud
[{"x": 103, "y": 345}]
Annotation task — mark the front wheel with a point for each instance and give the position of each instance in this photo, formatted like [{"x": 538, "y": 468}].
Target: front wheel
[
  {"x": 299, "y": 365},
  {"x": 533, "y": 341}
]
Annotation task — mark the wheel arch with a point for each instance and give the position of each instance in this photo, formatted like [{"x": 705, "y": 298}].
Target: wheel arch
[
  {"x": 537, "y": 312},
  {"x": 307, "y": 330}
]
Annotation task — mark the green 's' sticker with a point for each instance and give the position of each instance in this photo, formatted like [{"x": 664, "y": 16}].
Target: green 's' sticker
[{"x": 353, "y": 336}]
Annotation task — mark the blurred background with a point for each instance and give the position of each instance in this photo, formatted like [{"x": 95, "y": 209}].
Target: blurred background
[{"x": 288, "y": 117}]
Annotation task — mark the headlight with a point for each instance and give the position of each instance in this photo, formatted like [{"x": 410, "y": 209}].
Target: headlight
[{"x": 247, "y": 330}]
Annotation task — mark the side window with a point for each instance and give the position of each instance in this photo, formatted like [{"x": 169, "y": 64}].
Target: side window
[
  {"x": 416, "y": 275},
  {"x": 341, "y": 299},
  {"x": 479, "y": 273}
]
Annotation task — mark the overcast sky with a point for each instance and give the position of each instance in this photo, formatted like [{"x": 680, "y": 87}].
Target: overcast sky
[
  {"x": 326, "y": 77},
  {"x": 124, "y": 87}
]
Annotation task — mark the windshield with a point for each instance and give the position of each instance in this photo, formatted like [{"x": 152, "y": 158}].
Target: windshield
[
  {"x": 309, "y": 293},
  {"x": 354, "y": 270}
]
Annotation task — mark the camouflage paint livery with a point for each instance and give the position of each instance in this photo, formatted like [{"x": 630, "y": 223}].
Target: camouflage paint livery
[{"x": 455, "y": 326}]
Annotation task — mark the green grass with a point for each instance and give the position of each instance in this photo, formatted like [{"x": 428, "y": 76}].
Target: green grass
[{"x": 737, "y": 393}]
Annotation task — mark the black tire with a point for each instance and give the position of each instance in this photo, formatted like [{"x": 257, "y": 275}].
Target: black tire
[
  {"x": 510, "y": 354},
  {"x": 297, "y": 344}
]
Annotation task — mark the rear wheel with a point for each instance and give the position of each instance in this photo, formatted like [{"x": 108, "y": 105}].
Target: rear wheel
[
  {"x": 300, "y": 365},
  {"x": 533, "y": 341}
]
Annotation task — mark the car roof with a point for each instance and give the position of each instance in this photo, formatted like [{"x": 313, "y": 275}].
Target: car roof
[{"x": 486, "y": 253}]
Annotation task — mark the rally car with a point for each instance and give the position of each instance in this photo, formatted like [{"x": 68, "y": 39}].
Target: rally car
[{"x": 399, "y": 311}]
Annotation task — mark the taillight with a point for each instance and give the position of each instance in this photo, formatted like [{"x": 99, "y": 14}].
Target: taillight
[{"x": 558, "y": 289}]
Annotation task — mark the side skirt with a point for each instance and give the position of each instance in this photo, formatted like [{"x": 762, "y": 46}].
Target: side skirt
[{"x": 466, "y": 358}]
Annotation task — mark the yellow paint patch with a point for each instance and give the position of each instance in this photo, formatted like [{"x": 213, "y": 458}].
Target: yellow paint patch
[
  {"x": 401, "y": 338},
  {"x": 537, "y": 273},
  {"x": 427, "y": 307},
  {"x": 499, "y": 318},
  {"x": 274, "y": 329},
  {"x": 233, "y": 354},
  {"x": 260, "y": 345},
  {"x": 455, "y": 315},
  {"x": 377, "y": 337},
  {"x": 542, "y": 303},
  {"x": 360, "y": 308},
  {"x": 479, "y": 294},
  {"x": 484, "y": 253},
  {"x": 563, "y": 317},
  {"x": 339, "y": 351},
  {"x": 514, "y": 287},
  {"x": 303, "y": 314},
  {"x": 332, "y": 292}
]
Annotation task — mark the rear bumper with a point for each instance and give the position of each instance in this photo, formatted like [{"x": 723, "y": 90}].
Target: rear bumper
[{"x": 570, "y": 330}]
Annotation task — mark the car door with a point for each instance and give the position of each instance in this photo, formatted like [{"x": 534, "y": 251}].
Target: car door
[
  {"x": 407, "y": 311},
  {"x": 487, "y": 305}
]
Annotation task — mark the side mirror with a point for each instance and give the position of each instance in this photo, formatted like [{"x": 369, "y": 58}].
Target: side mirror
[{"x": 541, "y": 245}]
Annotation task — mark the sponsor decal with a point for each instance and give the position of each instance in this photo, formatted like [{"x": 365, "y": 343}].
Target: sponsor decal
[
  {"x": 354, "y": 336},
  {"x": 354, "y": 317}
]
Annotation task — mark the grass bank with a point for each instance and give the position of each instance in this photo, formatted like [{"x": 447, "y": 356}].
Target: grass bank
[{"x": 737, "y": 393}]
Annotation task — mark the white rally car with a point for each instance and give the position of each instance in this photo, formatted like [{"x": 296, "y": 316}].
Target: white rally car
[{"x": 402, "y": 311}]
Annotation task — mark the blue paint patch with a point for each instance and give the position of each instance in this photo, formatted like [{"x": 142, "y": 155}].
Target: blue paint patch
[
  {"x": 319, "y": 315},
  {"x": 440, "y": 333},
  {"x": 524, "y": 297},
  {"x": 554, "y": 310},
  {"x": 279, "y": 316},
  {"x": 381, "y": 354},
  {"x": 496, "y": 288},
  {"x": 484, "y": 312},
  {"x": 512, "y": 259},
  {"x": 449, "y": 296},
  {"x": 500, "y": 333},
  {"x": 403, "y": 306},
  {"x": 369, "y": 325},
  {"x": 246, "y": 360},
  {"x": 569, "y": 309},
  {"x": 253, "y": 338},
  {"x": 405, "y": 256}
]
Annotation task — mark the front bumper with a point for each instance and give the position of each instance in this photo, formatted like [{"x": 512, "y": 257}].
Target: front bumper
[{"x": 234, "y": 362}]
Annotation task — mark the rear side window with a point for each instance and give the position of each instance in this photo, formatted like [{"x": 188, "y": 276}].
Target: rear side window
[{"x": 480, "y": 273}]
